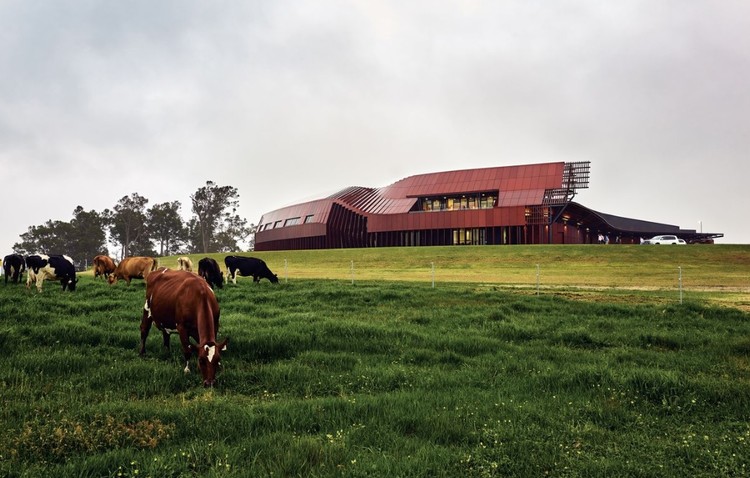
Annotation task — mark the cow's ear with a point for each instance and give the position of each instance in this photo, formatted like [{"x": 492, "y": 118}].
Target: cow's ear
[{"x": 223, "y": 345}]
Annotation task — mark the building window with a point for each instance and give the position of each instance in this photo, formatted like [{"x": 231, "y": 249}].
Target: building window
[
  {"x": 309, "y": 218},
  {"x": 484, "y": 200},
  {"x": 292, "y": 221},
  {"x": 277, "y": 224},
  {"x": 473, "y": 236}
]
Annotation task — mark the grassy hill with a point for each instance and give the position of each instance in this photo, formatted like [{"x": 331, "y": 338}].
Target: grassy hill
[{"x": 719, "y": 273}]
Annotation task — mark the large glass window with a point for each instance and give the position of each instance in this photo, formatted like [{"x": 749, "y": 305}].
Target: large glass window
[
  {"x": 485, "y": 200},
  {"x": 473, "y": 236}
]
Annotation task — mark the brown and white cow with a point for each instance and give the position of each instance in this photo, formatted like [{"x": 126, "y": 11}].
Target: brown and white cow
[
  {"x": 182, "y": 302},
  {"x": 103, "y": 266},
  {"x": 184, "y": 264},
  {"x": 135, "y": 267}
]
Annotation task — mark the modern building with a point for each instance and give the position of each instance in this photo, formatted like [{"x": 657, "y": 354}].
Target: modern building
[{"x": 527, "y": 204}]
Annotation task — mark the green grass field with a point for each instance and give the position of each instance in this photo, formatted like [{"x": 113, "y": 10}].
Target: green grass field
[
  {"x": 718, "y": 274},
  {"x": 481, "y": 375}
]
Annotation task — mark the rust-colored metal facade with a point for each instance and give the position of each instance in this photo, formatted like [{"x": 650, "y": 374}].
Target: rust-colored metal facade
[{"x": 527, "y": 204}]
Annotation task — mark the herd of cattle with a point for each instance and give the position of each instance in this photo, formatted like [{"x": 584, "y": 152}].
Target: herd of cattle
[
  {"x": 41, "y": 267},
  {"x": 177, "y": 301}
]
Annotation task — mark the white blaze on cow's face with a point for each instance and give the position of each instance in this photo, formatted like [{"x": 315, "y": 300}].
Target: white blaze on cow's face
[{"x": 209, "y": 361}]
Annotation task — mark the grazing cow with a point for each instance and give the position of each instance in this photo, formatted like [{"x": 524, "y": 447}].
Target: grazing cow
[
  {"x": 14, "y": 265},
  {"x": 248, "y": 266},
  {"x": 184, "y": 264},
  {"x": 56, "y": 267},
  {"x": 182, "y": 302},
  {"x": 209, "y": 270},
  {"x": 103, "y": 266},
  {"x": 135, "y": 267}
]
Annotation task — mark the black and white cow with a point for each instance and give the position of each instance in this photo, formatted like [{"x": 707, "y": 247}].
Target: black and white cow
[
  {"x": 248, "y": 266},
  {"x": 14, "y": 265},
  {"x": 55, "y": 267},
  {"x": 209, "y": 270}
]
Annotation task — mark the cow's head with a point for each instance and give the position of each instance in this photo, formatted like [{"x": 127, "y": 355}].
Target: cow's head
[
  {"x": 209, "y": 361},
  {"x": 274, "y": 278},
  {"x": 69, "y": 283}
]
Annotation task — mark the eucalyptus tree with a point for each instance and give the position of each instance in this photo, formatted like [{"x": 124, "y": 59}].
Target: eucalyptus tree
[
  {"x": 216, "y": 226},
  {"x": 166, "y": 227},
  {"x": 51, "y": 237},
  {"x": 129, "y": 225},
  {"x": 89, "y": 237},
  {"x": 82, "y": 238}
]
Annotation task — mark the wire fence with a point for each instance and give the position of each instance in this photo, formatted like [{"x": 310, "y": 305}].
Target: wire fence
[{"x": 667, "y": 283}]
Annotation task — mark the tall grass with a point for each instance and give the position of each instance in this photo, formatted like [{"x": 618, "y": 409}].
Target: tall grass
[{"x": 326, "y": 378}]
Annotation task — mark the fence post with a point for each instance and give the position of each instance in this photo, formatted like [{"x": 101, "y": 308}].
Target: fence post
[
  {"x": 286, "y": 272},
  {"x": 537, "y": 279},
  {"x": 433, "y": 274},
  {"x": 352, "y": 267},
  {"x": 679, "y": 280}
]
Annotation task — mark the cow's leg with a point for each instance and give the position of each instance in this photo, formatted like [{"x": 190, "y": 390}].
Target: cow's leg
[
  {"x": 165, "y": 337},
  {"x": 145, "y": 326},
  {"x": 39, "y": 281},
  {"x": 187, "y": 349}
]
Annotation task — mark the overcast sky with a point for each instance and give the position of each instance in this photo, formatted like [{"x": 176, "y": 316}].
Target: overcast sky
[{"x": 293, "y": 100}]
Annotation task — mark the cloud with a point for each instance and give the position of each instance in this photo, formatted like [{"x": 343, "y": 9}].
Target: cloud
[{"x": 287, "y": 99}]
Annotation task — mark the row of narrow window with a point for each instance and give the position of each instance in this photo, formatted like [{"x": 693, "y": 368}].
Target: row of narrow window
[
  {"x": 452, "y": 203},
  {"x": 457, "y": 203},
  {"x": 292, "y": 221}
]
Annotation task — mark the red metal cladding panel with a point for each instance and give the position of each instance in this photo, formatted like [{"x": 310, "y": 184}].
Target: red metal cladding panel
[
  {"x": 517, "y": 215},
  {"x": 387, "y": 209}
]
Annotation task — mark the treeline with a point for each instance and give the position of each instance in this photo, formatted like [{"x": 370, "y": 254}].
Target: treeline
[{"x": 135, "y": 229}]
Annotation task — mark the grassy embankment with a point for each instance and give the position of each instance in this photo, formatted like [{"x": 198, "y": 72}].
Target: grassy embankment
[
  {"x": 718, "y": 273},
  {"x": 392, "y": 378}
]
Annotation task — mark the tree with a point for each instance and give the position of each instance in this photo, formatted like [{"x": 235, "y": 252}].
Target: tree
[
  {"x": 48, "y": 238},
  {"x": 210, "y": 204},
  {"x": 166, "y": 227},
  {"x": 88, "y": 235},
  {"x": 128, "y": 226},
  {"x": 82, "y": 238},
  {"x": 231, "y": 233},
  {"x": 251, "y": 237}
]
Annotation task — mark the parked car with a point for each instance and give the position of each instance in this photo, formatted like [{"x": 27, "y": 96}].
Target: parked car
[{"x": 656, "y": 240}]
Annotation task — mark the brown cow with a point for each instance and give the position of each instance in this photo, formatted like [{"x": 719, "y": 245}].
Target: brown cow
[
  {"x": 182, "y": 302},
  {"x": 136, "y": 267},
  {"x": 184, "y": 264},
  {"x": 103, "y": 266}
]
